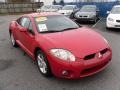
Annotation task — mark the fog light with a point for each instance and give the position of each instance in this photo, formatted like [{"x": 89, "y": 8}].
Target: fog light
[{"x": 65, "y": 73}]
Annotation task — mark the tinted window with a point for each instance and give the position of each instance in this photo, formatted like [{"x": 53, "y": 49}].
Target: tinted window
[{"x": 54, "y": 23}]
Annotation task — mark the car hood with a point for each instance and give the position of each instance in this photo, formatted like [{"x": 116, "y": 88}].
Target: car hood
[
  {"x": 53, "y": 10},
  {"x": 114, "y": 16},
  {"x": 65, "y": 11},
  {"x": 86, "y": 13},
  {"x": 80, "y": 42}
]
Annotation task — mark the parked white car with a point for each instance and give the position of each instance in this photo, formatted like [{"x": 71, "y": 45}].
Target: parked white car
[
  {"x": 55, "y": 8},
  {"x": 49, "y": 8},
  {"x": 67, "y": 10},
  {"x": 113, "y": 19},
  {"x": 44, "y": 8}
]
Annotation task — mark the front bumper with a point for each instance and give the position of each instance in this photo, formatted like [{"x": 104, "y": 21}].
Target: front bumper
[
  {"x": 80, "y": 68},
  {"x": 111, "y": 24}
]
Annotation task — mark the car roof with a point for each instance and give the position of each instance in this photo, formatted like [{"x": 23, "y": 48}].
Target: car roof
[{"x": 42, "y": 14}]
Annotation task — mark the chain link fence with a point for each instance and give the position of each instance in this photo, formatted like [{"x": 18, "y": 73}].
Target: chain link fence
[{"x": 103, "y": 5}]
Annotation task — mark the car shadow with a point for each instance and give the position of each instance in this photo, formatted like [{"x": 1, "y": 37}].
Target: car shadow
[
  {"x": 113, "y": 30},
  {"x": 85, "y": 22}
]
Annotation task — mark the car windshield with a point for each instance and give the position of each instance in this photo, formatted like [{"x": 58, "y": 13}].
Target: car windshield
[
  {"x": 55, "y": 7},
  {"x": 68, "y": 7},
  {"x": 87, "y": 9},
  {"x": 115, "y": 10},
  {"x": 56, "y": 23}
]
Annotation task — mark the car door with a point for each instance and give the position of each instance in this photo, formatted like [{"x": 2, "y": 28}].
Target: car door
[
  {"x": 29, "y": 38},
  {"x": 26, "y": 37}
]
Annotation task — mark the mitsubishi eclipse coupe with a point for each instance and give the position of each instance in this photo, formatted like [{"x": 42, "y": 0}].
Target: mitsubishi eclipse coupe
[{"x": 60, "y": 46}]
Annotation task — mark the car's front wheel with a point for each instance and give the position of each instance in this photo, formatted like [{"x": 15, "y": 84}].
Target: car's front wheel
[
  {"x": 43, "y": 64},
  {"x": 13, "y": 41},
  {"x": 95, "y": 20}
]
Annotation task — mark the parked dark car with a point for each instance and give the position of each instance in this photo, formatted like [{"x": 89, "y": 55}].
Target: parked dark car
[{"x": 87, "y": 13}]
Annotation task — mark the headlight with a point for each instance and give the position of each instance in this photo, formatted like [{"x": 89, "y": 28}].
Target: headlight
[
  {"x": 110, "y": 19},
  {"x": 63, "y": 54},
  {"x": 77, "y": 15},
  {"x": 92, "y": 16}
]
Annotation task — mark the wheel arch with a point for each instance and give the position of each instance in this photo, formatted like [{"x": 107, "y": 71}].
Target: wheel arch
[
  {"x": 36, "y": 50},
  {"x": 10, "y": 31}
]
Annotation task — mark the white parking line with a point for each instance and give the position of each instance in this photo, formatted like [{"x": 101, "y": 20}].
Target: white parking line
[{"x": 96, "y": 23}]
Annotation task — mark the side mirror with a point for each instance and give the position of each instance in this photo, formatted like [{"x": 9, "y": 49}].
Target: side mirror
[
  {"x": 108, "y": 12},
  {"x": 23, "y": 29}
]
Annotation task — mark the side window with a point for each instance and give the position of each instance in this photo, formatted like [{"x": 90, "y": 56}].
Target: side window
[
  {"x": 25, "y": 22},
  {"x": 30, "y": 28}
]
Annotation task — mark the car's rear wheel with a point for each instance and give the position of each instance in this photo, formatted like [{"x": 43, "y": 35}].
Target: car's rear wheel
[
  {"x": 13, "y": 41},
  {"x": 43, "y": 64}
]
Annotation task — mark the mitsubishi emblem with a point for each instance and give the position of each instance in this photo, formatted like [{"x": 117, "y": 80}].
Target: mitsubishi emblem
[{"x": 100, "y": 55}]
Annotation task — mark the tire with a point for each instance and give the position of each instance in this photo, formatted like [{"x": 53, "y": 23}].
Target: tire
[
  {"x": 13, "y": 41},
  {"x": 43, "y": 64},
  {"x": 72, "y": 16},
  {"x": 107, "y": 28},
  {"x": 95, "y": 20}
]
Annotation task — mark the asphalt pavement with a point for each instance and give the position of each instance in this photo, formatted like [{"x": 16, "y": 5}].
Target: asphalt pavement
[{"x": 19, "y": 72}]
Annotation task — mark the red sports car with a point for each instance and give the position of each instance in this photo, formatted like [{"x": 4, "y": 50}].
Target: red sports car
[{"x": 60, "y": 46}]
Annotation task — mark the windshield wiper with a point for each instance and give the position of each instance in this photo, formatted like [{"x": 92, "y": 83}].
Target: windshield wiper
[
  {"x": 50, "y": 31},
  {"x": 54, "y": 31},
  {"x": 66, "y": 29}
]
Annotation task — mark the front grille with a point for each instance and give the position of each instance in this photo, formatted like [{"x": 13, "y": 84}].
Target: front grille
[
  {"x": 93, "y": 69},
  {"x": 117, "y": 25},
  {"x": 118, "y": 21},
  {"x": 91, "y": 56},
  {"x": 83, "y": 16},
  {"x": 104, "y": 51}
]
